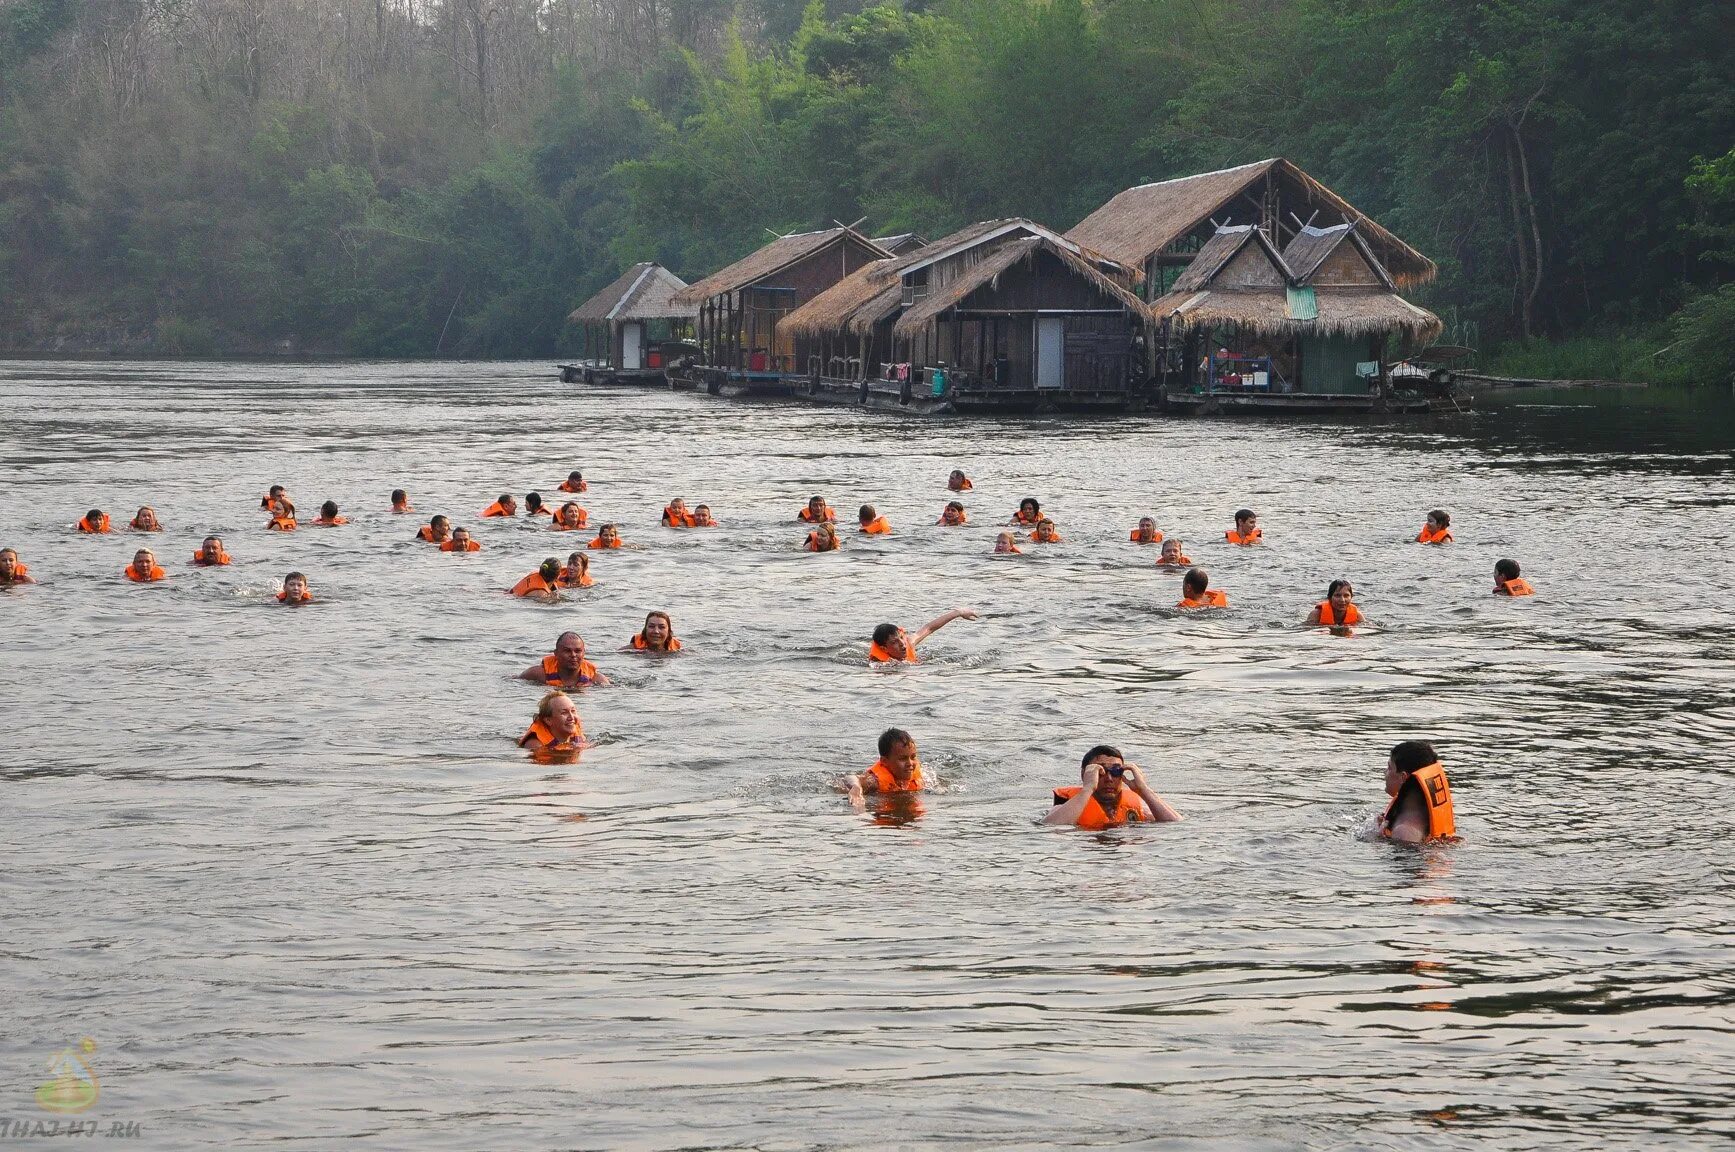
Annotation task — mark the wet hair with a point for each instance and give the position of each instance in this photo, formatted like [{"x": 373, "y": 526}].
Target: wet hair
[
  {"x": 583, "y": 559},
  {"x": 1411, "y": 755},
  {"x": 328, "y": 509},
  {"x": 275, "y": 490},
  {"x": 545, "y": 708},
  {"x": 301, "y": 576},
  {"x": 1032, "y": 501},
  {"x": 399, "y": 496},
  {"x": 1100, "y": 750},
  {"x": 564, "y": 635},
  {"x": 217, "y": 540},
  {"x": 609, "y": 527},
  {"x": 575, "y": 475},
  {"x": 436, "y": 521},
  {"x": 884, "y": 632},
  {"x": 12, "y": 552},
  {"x": 505, "y": 496},
  {"x": 458, "y": 529},
  {"x": 533, "y": 500},
  {"x": 1506, "y": 569},
  {"x": 959, "y": 472},
  {"x": 955, "y": 504},
  {"x": 1441, "y": 517},
  {"x": 1195, "y": 581},
  {"x": 1331, "y": 589},
  {"x": 94, "y": 515},
  {"x": 549, "y": 569},
  {"x": 866, "y": 514},
  {"x": 654, "y": 614},
  {"x": 891, "y": 738},
  {"x": 819, "y": 499},
  {"x": 1244, "y": 514},
  {"x": 702, "y": 508}
]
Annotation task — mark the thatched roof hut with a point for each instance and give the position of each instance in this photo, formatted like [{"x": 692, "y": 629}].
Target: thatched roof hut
[
  {"x": 901, "y": 243},
  {"x": 988, "y": 269},
  {"x": 774, "y": 257},
  {"x": 643, "y": 292},
  {"x": 854, "y": 304},
  {"x": 1154, "y": 223}
]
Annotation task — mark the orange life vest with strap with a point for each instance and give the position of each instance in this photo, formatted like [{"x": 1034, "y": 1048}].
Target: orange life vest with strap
[
  {"x": 813, "y": 544},
  {"x": 283, "y": 598},
  {"x": 878, "y": 655},
  {"x": 1213, "y": 598},
  {"x": 452, "y": 546},
  {"x": 1328, "y": 616},
  {"x": 1253, "y": 537},
  {"x": 199, "y": 558},
  {"x": 1136, "y": 539},
  {"x": 678, "y": 520},
  {"x": 1129, "y": 809},
  {"x": 334, "y": 522},
  {"x": 889, "y": 783},
  {"x": 1011, "y": 549},
  {"x": 97, "y": 529},
  {"x": 281, "y": 523},
  {"x": 598, "y": 543},
  {"x": 426, "y": 532},
  {"x": 1177, "y": 562},
  {"x": 1039, "y": 538},
  {"x": 496, "y": 509},
  {"x": 878, "y": 526},
  {"x": 806, "y": 514},
  {"x": 532, "y": 584},
  {"x": 266, "y": 500},
  {"x": 1436, "y": 793},
  {"x": 963, "y": 485},
  {"x": 583, "y": 521},
  {"x": 963, "y": 518},
  {"x": 544, "y": 510},
  {"x": 569, "y": 486},
  {"x": 137, "y": 527},
  {"x": 539, "y": 733},
  {"x": 152, "y": 576},
  {"x": 639, "y": 644},
  {"x": 585, "y": 580},
  {"x": 1019, "y": 517},
  {"x": 1426, "y": 537},
  {"x": 19, "y": 572},
  {"x": 551, "y": 671},
  {"x": 1517, "y": 586}
]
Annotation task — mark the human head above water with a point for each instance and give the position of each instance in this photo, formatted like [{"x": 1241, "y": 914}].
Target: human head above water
[
  {"x": 533, "y": 502},
  {"x": 1195, "y": 582},
  {"x": 659, "y": 630},
  {"x": 549, "y": 570},
  {"x": 1245, "y": 516},
  {"x": 867, "y": 515},
  {"x": 1340, "y": 585},
  {"x": 329, "y": 510},
  {"x": 1412, "y": 755},
  {"x": 1440, "y": 518},
  {"x": 399, "y": 498},
  {"x": 1030, "y": 506},
  {"x": 892, "y": 639},
  {"x": 1506, "y": 570}
]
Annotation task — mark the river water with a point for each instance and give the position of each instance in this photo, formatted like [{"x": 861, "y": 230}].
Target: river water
[{"x": 288, "y": 871}]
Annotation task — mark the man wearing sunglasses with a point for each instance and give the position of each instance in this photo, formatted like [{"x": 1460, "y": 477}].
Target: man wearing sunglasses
[{"x": 1113, "y": 793}]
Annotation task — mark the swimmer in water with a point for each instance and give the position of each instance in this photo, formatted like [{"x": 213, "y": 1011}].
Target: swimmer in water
[
  {"x": 1111, "y": 793},
  {"x": 144, "y": 569},
  {"x": 823, "y": 539},
  {"x": 282, "y": 515},
  {"x": 542, "y": 584},
  {"x": 675, "y": 514},
  {"x": 658, "y": 635},
  {"x": 1338, "y": 609},
  {"x": 567, "y": 667},
  {"x": 816, "y": 512},
  {"x": 460, "y": 542},
  {"x": 438, "y": 530},
  {"x": 958, "y": 482},
  {"x": 328, "y": 516},
  {"x": 557, "y": 730},
  {"x": 211, "y": 553},
  {"x": 1146, "y": 532},
  {"x": 872, "y": 523},
  {"x": 295, "y": 590},
  {"x": 1437, "y": 529},
  {"x": 1507, "y": 581},
  {"x": 892, "y": 645},
  {"x": 953, "y": 515},
  {"x": 570, "y": 518},
  {"x": 145, "y": 520},
  {"x": 574, "y": 482},
  {"x": 1006, "y": 543},
  {"x": 506, "y": 505},
  {"x": 1196, "y": 591},
  {"x": 12, "y": 570},
  {"x": 608, "y": 536},
  {"x": 533, "y": 505},
  {"x": 1172, "y": 556},
  {"x": 1045, "y": 532},
  {"x": 1029, "y": 512},
  {"x": 898, "y": 769},
  {"x": 94, "y": 522},
  {"x": 702, "y": 517},
  {"x": 400, "y": 502},
  {"x": 576, "y": 574},
  {"x": 277, "y": 492},
  {"x": 1246, "y": 530},
  {"x": 1421, "y": 804}
]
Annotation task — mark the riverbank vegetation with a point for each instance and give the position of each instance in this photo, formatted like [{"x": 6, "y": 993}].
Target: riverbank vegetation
[{"x": 421, "y": 177}]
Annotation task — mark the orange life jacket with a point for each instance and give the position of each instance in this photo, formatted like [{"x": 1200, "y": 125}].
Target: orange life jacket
[
  {"x": 878, "y": 526},
  {"x": 883, "y": 777},
  {"x": 425, "y": 532},
  {"x": 585, "y": 580},
  {"x": 598, "y": 543},
  {"x": 283, "y": 598},
  {"x": 281, "y": 523},
  {"x": 1055, "y": 539},
  {"x": 963, "y": 485},
  {"x": 1426, "y": 537},
  {"x": 334, "y": 522},
  {"x": 1175, "y": 563},
  {"x": 452, "y": 546},
  {"x": 812, "y": 544},
  {"x": 153, "y": 575},
  {"x": 681, "y": 520},
  {"x": 539, "y": 732},
  {"x": 19, "y": 572},
  {"x": 583, "y": 522},
  {"x": 806, "y": 514},
  {"x": 1436, "y": 795},
  {"x": 199, "y": 558},
  {"x": 1214, "y": 598},
  {"x": 265, "y": 500},
  {"x": 97, "y": 529},
  {"x": 551, "y": 671},
  {"x": 545, "y": 510},
  {"x": 532, "y": 583},
  {"x": 1517, "y": 586},
  {"x": 1134, "y": 537},
  {"x": 1328, "y": 616},
  {"x": 1011, "y": 549},
  {"x": 137, "y": 527},
  {"x": 1252, "y": 537},
  {"x": 710, "y": 524},
  {"x": 1019, "y": 517},
  {"x": 878, "y": 655},
  {"x": 963, "y": 518},
  {"x": 494, "y": 510},
  {"x": 1130, "y": 809},
  {"x": 568, "y": 486},
  {"x": 640, "y": 645}
]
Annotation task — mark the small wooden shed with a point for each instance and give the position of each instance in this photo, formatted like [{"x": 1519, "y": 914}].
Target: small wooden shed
[{"x": 621, "y": 322}]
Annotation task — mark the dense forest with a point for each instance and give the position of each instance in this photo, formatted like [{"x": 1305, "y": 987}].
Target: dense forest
[{"x": 421, "y": 177}]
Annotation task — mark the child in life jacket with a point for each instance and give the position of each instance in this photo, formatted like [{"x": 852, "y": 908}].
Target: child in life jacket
[
  {"x": 295, "y": 590},
  {"x": 1110, "y": 793},
  {"x": 658, "y": 635},
  {"x": 1146, "y": 532},
  {"x": 1172, "y": 556},
  {"x": 400, "y": 502},
  {"x": 1046, "y": 532},
  {"x": 576, "y": 574},
  {"x": 1421, "y": 804},
  {"x": 505, "y": 505},
  {"x": 871, "y": 522},
  {"x": 816, "y": 512},
  {"x": 460, "y": 542},
  {"x": 211, "y": 553},
  {"x": 898, "y": 769},
  {"x": 608, "y": 536},
  {"x": 958, "y": 482},
  {"x": 953, "y": 515},
  {"x": 1437, "y": 529},
  {"x": 675, "y": 514},
  {"x": 144, "y": 568},
  {"x": 94, "y": 522},
  {"x": 823, "y": 539},
  {"x": 556, "y": 732},
  {"x": 702, "y": 517},
  {"x": 12, "y": 570},
  {"x": 574, "y": 482},
  {"x": 892, "y": 645},
  {"x": 436, "y": 531},
  {"x": 328, "y": 517},
  {"x": 1005, "y": 544},
  {"x": 542, "y": 584},
  {"x": 566, "y": 667},
  {"x": 533, "y": 505},
  {"x": 272, "y": 495},
  {"x": 1196, "y": 591},
  {"x": 1247, "y": 530},
  {"x": 145, "y": 520},
  {"x": 1507, "y": 581},
  {"x": 282, "y": 515},
  {"x": 570, "y": 518},
  {"x": 1338, "y": 609}
]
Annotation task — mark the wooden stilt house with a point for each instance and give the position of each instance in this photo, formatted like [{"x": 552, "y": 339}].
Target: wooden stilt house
[{"x": 626, "y": 323}]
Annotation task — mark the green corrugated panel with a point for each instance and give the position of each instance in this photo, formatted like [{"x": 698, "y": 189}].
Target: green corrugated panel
[{"x": 1303, "y": 304}]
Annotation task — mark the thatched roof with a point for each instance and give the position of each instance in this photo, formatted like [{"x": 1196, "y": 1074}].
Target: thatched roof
[
  {"x": 1002, "y": 258},
  {"x": 846, "y": 304},
  {"x": 901, "y": 243},
  {"x": 1342, "y": 312},
  {"x": 774, "y": 257},
  {"x": 1221, "y": 248},
  {"x": 1142, "y": 221},
  {"x": 1312, "y": 247},
  {"x": 643, "y": 292}
]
